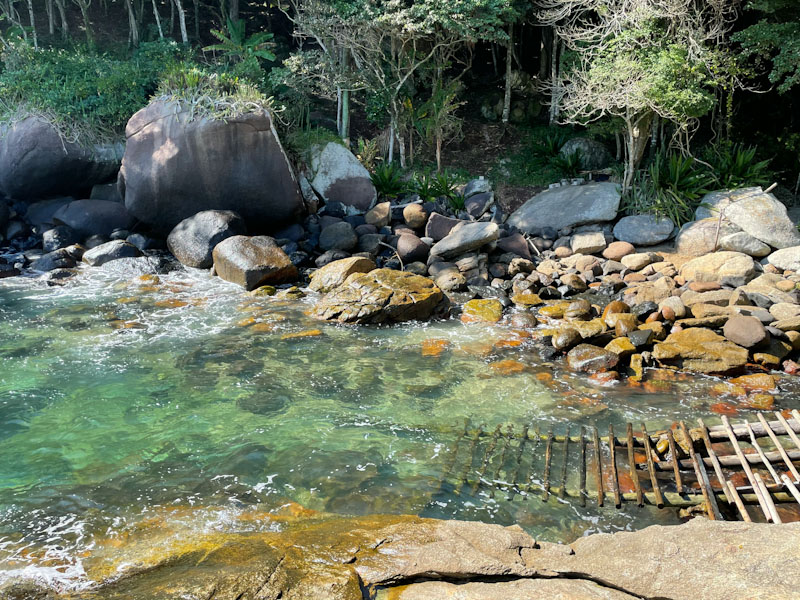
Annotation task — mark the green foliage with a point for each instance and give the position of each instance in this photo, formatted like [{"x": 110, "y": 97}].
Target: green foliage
[
  {"x": 367, "y": 152},
  {"x": 436, "y": 119},
  {"x": 569, "y": 165},
  {"x": 388, "y": 180},
  {"x": 531, "y": 164},
  {"x": 298, "y": 141},
  {"x": 552, "y": 143},
  {"x": 735, "y": 166},
  {"x": 80, "y": 91},
  {"x": 236, "y": 46},
  {"x": 432, "y": 186}
]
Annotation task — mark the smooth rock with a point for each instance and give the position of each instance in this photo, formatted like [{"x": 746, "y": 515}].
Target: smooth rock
[
  {"x": 787, "y": 259},
  {"x": 336, "y": 273},
  {"x": 701, "y": 350},
  {"x": 410, "y": 248},
  {"x": 415, "y": 216},
  {"x": 590, "y": 203},
  {"x": 193, "y": 240},
  {"x": 94, "y": 217},
  {"x": 110, "y": 251},
  {"x": 591, "y": 359},
  {"x": 482, "y": 311},
  {"x": 337, "y": 176},
  {"x": 697, "y": 238},
  {"x": 465, "y": 238},
  {"x": 252, "y": 262},
  {"x": 594, "y": 155},
  {"x": 339, "y": 236},
  {"x": 745, "y": 331},
  {"x": 439, "y": 226},
  {"x": 516, "y": 244},
  {"x": 588, "y": 242},
  {"x": 58, "y": 237},
  {"x": 380, "y": 215},
  {"x": 637, "y": 262},
  {"x": 617, "y": 250},
  {"x": 745, "y": 243},
  {"x": 727, "y": 268},
  {"x": 644, "y": 230}
]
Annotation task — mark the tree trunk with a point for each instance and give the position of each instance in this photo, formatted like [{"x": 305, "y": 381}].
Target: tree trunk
[
  {"x": 637, "y": 138},
  {"x": 196, "y": 19},
  {"x": 51, "y": 18},
  {"x": 345, "y": 135},
  {"x": 182, "y": 21},
  {"x": 63, "y": 17},
  {"x": 234, "y": 10},
  {"x": 555, "y": 95},
  {"x": 171, "y": 18},
  {"x": 158, "y": 21},
  {"x": 509, "y": 64},
  {"x": 132, "y": 26},
  {"x": 438, "y": 153},
  {"x": 545, "y": 48},
  {"x": 33, "y": 24},
  {"x": 87, "y": 24},
  {"x": 391, "y": 144}
]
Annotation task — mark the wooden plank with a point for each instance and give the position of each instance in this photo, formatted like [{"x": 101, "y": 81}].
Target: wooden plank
[
  {"x": 518, "y": 463},
  {"x": 598, "y": 467},
  {"x": 702, "y": 477},
  {"x": 614, "y": 475},
  {"x": 746, "y": 466},
  {"x": 673, "y": 450},
  {"x": 714, "y": 460},
  {"x": 487, "y": 456},
  {"x": 773, "y": 512},
  {"x": 732, "y": 493},
  {"x": 728, "y": 461},
  {"x": 562, "y": 491},
  {"x": 790, "y": 485},
  {"x": 583, "y": 466},
  {"x": 632, "y": 466},
  {"x": 788, "y": 429},
  {"x": 781, "y": 450},
  {"x": 651, "y": 468},
  {"x": 718, "y": 432},
  {"x": 767, "y": 464},
  {"x": 548, "y": 455},
  {"x": 536, "y": 440}
]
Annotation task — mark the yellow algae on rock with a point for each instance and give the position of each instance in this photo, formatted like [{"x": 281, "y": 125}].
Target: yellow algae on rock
[{"x": 482, "y": 311}]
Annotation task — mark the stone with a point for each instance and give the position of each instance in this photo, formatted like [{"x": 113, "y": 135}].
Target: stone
[
  {"x": 57, "y": 259},
  {"x": 637, "y": 262},
  {"x": 478, "y": 204},
  {"x": 745, "y": 243},
  {"x": 106, "y": 191},
  {"x": 792, "y": 324},
  {"x": 747, "y": 332},
  {"x": 336, "y": 273},
  {"x": 479, "y": 185},
  {"x": 574, "y": 282},
  {"x": 527, "y": 300},
  {"x": 380, "y": 215},
  {"x": 339, "y": 236},
  {"x": 590, "y": 203},
  {"x": 622, "y": 346},
  {"x": 336, "y": 175},
  {"x": 763, "y": 290},
  {"x": 758, "y": 213},
  {"x": 624, "y": 324},
  {"x": 617, "y": 250},
  {"x": 193, "y": 240},
  {"x": 644, "y": 230},
  {"x": 516, "y": 589},
  {"x": 786, "y": 259},
  {"x": 329, "y": 256},
  {"x": 93, "y": 217},
  {"x": 371, "y": 243},
  {"x": 176, "y": 165},
  {"x": 640, "y": 337},
  {"x": 579, "y": 309},
  {"x": 586, "y": 358},
  {"x": 465, "y": 238},
  {"x": 701, "y": 350},
  {"x": 110, "y": 251},
  {"x": 252, "y": 262},
  {"x": 727, "y": 268},
  {"x": 516, "y": 244},
  {"x": 58, "y": 237},
  {"x": 676, "y": 305},
  {"x": 566, "y": 338},
  {"x": 439, "y": 226},
  {"x": 410, "y": 248},
  {"x": 588, "y": 243},
  {"x": 482, "y": 311},
  {"x": 697, "y": 238},
  {"x": 381, "y": 296},
  {"x": 594, "y": 156},
  {"x": 717, "y": 297},
  {"x": 37, "y": 162},
  {"x": 415, "y": 216},
  {"x": 784, "y": 310}
]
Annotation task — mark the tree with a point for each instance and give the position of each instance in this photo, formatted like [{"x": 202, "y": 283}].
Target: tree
[
  {"x": 436, "y": 117},
  {"x": 639, "y": 60}
]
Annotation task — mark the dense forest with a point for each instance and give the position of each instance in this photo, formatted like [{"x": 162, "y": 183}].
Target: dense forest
[{"x": 688, "y": 94}]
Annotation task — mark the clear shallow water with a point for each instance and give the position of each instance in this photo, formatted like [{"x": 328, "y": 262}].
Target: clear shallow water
[{"x": 122, "y": 399}]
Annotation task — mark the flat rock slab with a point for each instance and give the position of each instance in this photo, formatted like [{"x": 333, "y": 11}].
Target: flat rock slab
[
  {"x": 700, "y": 350},
  {"x": 517, "y": 589},
  {"x": 644, "y": 230},
  {"x": 568, "y": 206},
  {"x": 465, "y": 238}
]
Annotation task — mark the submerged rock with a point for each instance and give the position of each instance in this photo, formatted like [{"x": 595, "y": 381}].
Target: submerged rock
[
  {"x": 381, "y": 296},
  {"x": 252, "y": 262},
  {"x": 591, "y": 359}
]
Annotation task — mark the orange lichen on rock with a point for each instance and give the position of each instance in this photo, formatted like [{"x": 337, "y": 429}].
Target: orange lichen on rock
[{"x": 434, "y": 347}]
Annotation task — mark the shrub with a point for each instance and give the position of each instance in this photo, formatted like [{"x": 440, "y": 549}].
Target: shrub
[
  {"x": 569, "y": 165},
  {"x": 388, "y": 180},
  {"x": 734, "y": 166}
]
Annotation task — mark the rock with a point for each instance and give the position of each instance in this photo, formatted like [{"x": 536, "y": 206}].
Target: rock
[
  {"x": 697, "y": 238},
  {"x": 644, "y": 230},
  {"x": 371, "y": 243},
  {"x": 566, "y": 338},
  {"x": 5, "y": 215},
  {"x": 193, "y": 240},
  {"x": 481, "y": 185},
  {"x": 478, "y": 204},
  {"x": 330, "y": 256},
  {"x": 336, "y": 273},
  {"x": 617, "y": 250},
  {"x": 760, "y": 214},
  {"x": 36, "y": 162},
  {"x": 339, "y": 236},
  {"x": 588, "y": 243},
  {"x": 115, "y": 250},
  {"x": 415, "y": 216},
  {"x": 591, "y": 359},
  {"x": 337, "y": 176},
  {"x": 176, "y": 165},
  {"x": 381, "y": 296},
  {"x": 792, "y": 324},
  {"x": 700, "y": 350},
  {"x": 143, "y": 242},
  {"x": 468, "y": 237},
  {"x": 727, "y": 268},
  {"x": 637, "y": 262},
  {"x": 57, "y": 259},
  {"x": 58, "y": 237},
  {"x": 745, "y": 331},
  {"x": 744, "y": 243},
  {"x": 787, "y": 259},
  {"x": 622, "y": 346},
  {"x": 717, "y": 298},
  {"x": 516, "y": 244},
  {"x": 410, "y": 248},
  {"x": 593, "y": 154},
  {"x": 763, "y": 291},
  {"x": 784, "y": 310},
  {"x": 482, "y": 311},
  {"x": 380, "y": 215},
  {"x": 252, "y": 262},
  {"x": 574, "y": 283},
  {"x": 439, "y": 226},
  {"x": 675, "y": 304},
  {"x": 106, "y": 191},
  {"x": 516, "y": 589},
  {"x": 93, "y": 217},
  {"x": 590, "y": 203}
]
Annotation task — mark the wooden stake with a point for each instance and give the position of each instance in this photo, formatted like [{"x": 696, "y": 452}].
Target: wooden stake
[
  {"x": 632, "y": 467},
  {"x": 779, "y": 447},
  {"x": 614, "y": 476}
]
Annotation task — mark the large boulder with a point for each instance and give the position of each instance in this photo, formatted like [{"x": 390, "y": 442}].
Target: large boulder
[
  {"x": 786, "y": 259},
  {"x": 644, "y": 230},
  {"x": 756, "y": 212},
  {"x": 93, "y": 217},
  {"x": 337, "y": 176},
  {"x": 336, "y": 273},
  {"x": 701, "y": 350},
  {"x": 381, "y": 296},
  {"x": 176, "y": 165},
  {"x": 568, "y": 206},
  {"x": 697, "y": 238},
  {"x": 193, "y": 240},
  {"x": 252, "y": 262},
  {"x": 37, "y": 162},
  {"x": 114, "y": 250},
  {"x": 465, "y": 238},
  {"x": 726, "y": 268},
  {"x": 594, "y": 155},
  {"x": 745, "y": 243}
]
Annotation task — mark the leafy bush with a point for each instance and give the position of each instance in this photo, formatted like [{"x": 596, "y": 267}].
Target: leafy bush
[
  {"x": 734, "y": 166},
  {"x": 569, "y": 165},
  {"x": 388, "y": 180},
  {"x": 299, "y": 141}
]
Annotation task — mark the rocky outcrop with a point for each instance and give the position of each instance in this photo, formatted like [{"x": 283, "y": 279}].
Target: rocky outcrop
[
  {"x": 337, "y": 176},
  {"x": 381, "y": 296},
  {"x": 36, "y": 162},
  {"x": 697, "y": 238},
  {"x": 252, "y": 262},
  {"x": 726, "y": 268},
  {"x": 193, "y": 240},
  {"x": 593, "y": 154},
  {"x": 176, "y": 165},
  {"x": 568, "y": 206}
]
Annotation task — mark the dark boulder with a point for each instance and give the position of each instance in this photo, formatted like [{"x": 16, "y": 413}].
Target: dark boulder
[
  {"x": 93, "y": 217},
  {"x": 114, "y": 250},
  {"x": 58, "y": 259},
  {"x": 60, "y": 236},
  {"x": 193, "y": 240}
]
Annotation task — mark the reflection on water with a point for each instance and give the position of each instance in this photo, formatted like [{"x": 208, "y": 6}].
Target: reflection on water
[{"x": 118, "y": 399}]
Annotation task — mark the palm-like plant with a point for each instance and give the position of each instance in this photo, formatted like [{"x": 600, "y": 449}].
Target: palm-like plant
[{"x": 235, "y": 46}]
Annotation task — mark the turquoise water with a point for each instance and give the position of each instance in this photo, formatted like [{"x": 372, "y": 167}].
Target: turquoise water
[{"x": 122, "y": 398}]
